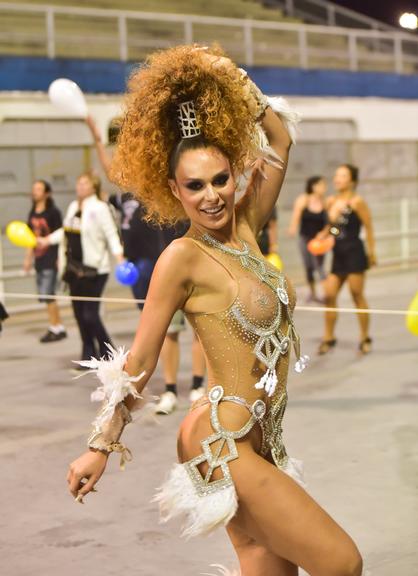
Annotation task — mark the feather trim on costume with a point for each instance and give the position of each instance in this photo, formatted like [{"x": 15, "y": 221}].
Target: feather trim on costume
[
  {"x": 289, "y": 117},
  {"x": 294, "y": 469},
  {"x": 222, "y": 571},
  {"x": 177, "y": 498},
  {"x": 116, "y": 383},
  {"x": 263, "y": 149}
]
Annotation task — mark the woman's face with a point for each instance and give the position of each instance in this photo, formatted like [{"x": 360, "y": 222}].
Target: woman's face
[
  {"x": 38, "y": 192},
  {"x": 342, "y": 179},
  {"x": 205, "y": 186},
  {"x": 320, "y": 188},
  {"x": 84, "y": 187}
]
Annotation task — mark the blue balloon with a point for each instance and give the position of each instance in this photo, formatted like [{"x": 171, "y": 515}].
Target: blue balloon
[{"x": 127, "y": 273}]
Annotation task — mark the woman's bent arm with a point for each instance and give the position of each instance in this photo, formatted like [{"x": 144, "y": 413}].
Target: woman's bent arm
[{"x": 169, "y": 289}]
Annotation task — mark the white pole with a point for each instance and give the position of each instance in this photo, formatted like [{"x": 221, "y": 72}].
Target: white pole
[
  {"x": 303, "y": 48},
  {"x": 50, "y": 33},
  {"x": 2, "y": 296},
  {"x": 249, "y": 46},
  {"x": 398, "y": 56},
  {"x": 352, "y": 50},
  {"x": 123, "y": 39},
  {"x": 404, "y": 225},
  {"x": 188, "y": 32}
]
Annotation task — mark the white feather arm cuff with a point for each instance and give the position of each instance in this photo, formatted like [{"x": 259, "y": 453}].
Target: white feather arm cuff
[{"x": 116, "y": 384}]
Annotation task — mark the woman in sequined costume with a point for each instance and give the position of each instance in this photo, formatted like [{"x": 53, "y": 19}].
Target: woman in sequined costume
[{"x": 233, "y": 469}]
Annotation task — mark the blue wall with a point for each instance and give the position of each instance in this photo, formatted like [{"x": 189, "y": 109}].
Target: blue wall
[{"x": 109, "y": 76}]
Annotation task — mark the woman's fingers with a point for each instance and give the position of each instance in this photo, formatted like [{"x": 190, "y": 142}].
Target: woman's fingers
[
  {"x": 75, "y": 483},
  {"x": 88, "y": 486}
]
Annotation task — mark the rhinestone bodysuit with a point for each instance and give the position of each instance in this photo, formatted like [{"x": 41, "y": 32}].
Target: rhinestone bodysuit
[{"x": 250, "y": 338}]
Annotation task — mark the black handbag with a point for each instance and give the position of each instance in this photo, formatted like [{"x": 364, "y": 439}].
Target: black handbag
[{"x": 75, "y": 270}]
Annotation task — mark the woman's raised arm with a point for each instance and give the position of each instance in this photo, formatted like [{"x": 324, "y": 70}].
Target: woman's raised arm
[{"x": 267, "y": 177}]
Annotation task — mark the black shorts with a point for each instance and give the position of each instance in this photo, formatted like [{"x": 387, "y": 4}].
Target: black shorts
[{"x": 349, "y": 257}]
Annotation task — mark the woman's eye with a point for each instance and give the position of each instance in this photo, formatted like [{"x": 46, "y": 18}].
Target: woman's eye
[
  {"x": 194, "y": 186},
  {"x": 221, "y": 180}
]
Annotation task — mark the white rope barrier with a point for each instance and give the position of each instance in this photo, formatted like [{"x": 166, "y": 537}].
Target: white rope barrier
[{"x": 64, "y": 297}]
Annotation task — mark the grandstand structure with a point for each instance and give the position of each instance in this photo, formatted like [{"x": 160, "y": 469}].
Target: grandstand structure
[
  {"x": 354, "y": 80},
  {"x": 253, "y": 33}
]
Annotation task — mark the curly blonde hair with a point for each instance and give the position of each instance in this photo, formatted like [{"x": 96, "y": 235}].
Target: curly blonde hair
[{"x": 149, "y": 134}]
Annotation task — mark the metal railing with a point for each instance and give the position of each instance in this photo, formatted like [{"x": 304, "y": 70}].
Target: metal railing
[
  {"x": 396, "y": 244},
  {"x": 329, "y": 13},
  {"x": 130, "y": 35}
]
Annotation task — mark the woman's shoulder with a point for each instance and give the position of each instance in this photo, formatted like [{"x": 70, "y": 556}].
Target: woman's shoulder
[
  {"x": 329, "y": 201},
  {"x": 301, "y": 200},
  {"x": 180, "y": 251},
  {"x": 358, "y": 201},
  {"x": 177, "y": 260},
  {"x": 72, "y": 206}
]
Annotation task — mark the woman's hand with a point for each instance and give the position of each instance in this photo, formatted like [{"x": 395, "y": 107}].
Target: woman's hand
[
  {"x": 42, "y": 242},
  {"x": 85, "y": 472},
  {"x": 372, "y": 259},
  {"x": 322, "y": 234}
]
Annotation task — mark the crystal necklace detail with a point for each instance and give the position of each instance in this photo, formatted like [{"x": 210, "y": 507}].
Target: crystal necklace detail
[{"x": 271, "y": 343}]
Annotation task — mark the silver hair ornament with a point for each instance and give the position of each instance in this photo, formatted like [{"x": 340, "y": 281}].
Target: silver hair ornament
[{"x": 187, "y": 120}]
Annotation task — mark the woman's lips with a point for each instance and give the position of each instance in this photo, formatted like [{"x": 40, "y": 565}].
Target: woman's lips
[{"x": 213, "y": 210}]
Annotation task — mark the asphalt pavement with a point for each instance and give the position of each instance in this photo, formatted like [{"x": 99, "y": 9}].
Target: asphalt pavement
[{"x": 353, "y": 420}]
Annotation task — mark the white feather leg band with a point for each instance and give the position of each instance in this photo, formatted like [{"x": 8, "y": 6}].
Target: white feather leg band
[
  {"x": 116, "y": 384},
  {"x": 222, "y": 571},
  {"x": 177, "y": 498},
  {"x": 294, "y": 469}
]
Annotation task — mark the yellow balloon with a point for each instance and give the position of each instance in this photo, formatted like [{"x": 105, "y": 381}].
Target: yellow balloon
[
  {"x": 412, "y": 319},
  {"x": 275, "y": 260},
  {"x": 20, "y": 234}
]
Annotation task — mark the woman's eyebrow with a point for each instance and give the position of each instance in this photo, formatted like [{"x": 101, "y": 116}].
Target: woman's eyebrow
[{"x": 225, "y": 172}]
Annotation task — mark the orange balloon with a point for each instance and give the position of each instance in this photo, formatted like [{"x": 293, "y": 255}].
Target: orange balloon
[{"x": 319, "y": 247}]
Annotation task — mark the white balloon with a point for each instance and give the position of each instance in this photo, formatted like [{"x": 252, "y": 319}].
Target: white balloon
[{"x": 66, "y": 94}]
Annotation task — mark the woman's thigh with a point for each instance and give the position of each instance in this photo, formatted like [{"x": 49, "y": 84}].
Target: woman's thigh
[
  {"x": 255, "y": 559},
  {"x": 286, "y": 526},
  {"x": 333, "y": 285},
  {"x": 356, "y": 282},
  {"x": 281, "y": 517}
]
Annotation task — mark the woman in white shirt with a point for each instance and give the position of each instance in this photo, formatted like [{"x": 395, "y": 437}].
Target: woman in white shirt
[{"x": 89, "y": 235}]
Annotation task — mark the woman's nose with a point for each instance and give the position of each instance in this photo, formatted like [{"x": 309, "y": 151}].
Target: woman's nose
[{"x": 211, "y": 193}]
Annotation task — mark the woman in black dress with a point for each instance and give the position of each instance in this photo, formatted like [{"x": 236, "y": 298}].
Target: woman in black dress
[
  {"x": 308, "y": 219},
  {"x": 347, "y": 213}
]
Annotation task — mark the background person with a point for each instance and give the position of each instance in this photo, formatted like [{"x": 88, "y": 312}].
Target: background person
[
  {"x": 348, "y": 212},
  {"x": 309, "y": 218},
  {"x": 267, "y": 238},
  {"x": 91, "y": 237},
  {"x": 44, "y": 218}
]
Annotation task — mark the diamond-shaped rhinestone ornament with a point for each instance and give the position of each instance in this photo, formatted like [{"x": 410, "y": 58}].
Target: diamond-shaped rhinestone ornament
[
  {"x": 259, "y": 409},
  {"x": 269, "y": 348},
  {"x": 205, "y": 485},
  {"x": 283, "y": 295}
]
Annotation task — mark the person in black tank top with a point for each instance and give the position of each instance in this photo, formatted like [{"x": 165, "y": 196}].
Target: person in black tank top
[
  {"x": 308, "y": 219},
  {"x": 348, "y": 212}
]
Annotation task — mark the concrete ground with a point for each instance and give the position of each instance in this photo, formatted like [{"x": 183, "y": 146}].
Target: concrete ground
[{"x": 354, "y": 421}]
